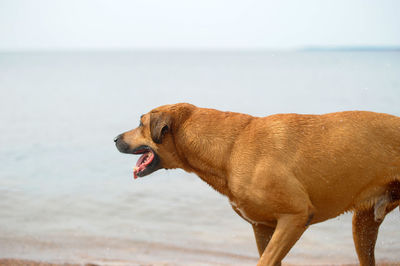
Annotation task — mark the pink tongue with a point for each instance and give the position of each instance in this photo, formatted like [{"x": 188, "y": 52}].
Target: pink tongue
[
  {"x": 141, "y": 159},
  {"x": 140, "y": 165}
]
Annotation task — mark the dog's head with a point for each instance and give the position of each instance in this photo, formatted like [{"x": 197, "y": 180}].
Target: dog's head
[{"x": 154, "y": 139}]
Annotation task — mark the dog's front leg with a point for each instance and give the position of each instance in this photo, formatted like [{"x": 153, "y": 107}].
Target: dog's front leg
[{"x": 288, "y": 230}]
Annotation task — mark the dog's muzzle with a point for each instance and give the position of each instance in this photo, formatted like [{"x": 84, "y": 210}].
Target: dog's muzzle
[{"x": 122, "y": 146}]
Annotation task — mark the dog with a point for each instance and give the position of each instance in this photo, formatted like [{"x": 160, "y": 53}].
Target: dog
[{"x": 281, "y": 173}]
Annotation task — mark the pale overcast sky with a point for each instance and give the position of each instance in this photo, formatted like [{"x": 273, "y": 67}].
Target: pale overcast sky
[{"x": 200, "y": 24}]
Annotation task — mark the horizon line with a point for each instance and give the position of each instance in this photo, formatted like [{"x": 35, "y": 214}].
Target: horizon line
[{"x": 311, "y": 48}]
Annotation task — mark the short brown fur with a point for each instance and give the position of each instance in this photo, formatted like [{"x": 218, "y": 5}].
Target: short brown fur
[{"x": 284, "y": 172}]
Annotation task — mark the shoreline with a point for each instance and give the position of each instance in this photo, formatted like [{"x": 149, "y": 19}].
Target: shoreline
[{"x": 24, "y": 262}]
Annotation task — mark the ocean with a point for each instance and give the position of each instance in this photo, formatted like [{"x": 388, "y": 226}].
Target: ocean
[{"x": 68, "y": 195}]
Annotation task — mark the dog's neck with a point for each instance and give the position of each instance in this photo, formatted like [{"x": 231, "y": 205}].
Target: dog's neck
[{"x": 206, "y": 143}]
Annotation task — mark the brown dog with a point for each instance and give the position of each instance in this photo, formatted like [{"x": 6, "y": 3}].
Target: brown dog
[{"x": 283, "y": 172}]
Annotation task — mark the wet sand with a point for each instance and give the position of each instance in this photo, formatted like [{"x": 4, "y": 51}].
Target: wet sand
[
  {"x": 106, "y": 251},
  {"x": 17, "y": 262},
  {"x": 91, "y": 251}
]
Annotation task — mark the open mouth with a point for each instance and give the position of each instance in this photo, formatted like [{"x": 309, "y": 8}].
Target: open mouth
[{"x": 147, "y": 163}]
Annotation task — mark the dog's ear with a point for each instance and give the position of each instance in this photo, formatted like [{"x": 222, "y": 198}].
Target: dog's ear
[{"x": 160, "y": 123}]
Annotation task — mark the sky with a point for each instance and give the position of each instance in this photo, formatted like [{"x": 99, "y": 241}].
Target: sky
[{"x": 200, "y": 24}]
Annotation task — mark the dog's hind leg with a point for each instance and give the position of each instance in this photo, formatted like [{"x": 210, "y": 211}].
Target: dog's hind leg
[{"x": 365, "y": 232}]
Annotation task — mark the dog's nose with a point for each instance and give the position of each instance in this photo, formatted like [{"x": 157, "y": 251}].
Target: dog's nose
[{"x": 122, "y": 146}]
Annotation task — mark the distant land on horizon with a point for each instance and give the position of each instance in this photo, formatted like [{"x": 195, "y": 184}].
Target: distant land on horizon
[{"x": 351, "y": 48}]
